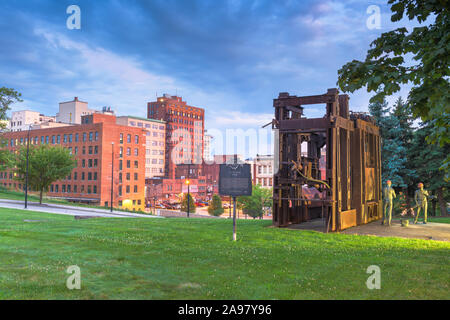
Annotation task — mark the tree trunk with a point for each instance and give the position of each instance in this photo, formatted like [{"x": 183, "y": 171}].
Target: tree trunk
[
  {"x": 442, "y": 204},
  {"x": 433, "y": 213},
  {"x": 40, "y": 196}
]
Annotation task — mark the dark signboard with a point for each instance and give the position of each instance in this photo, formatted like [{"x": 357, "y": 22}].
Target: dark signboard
[{"x": 235, "y": 180}]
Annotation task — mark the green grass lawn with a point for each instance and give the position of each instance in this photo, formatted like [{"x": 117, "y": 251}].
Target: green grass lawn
[{"x": 195, "y": 259}]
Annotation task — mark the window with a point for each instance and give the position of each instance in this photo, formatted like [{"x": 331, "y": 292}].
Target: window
[
  {"x": 89, "y": 163},
  {"x": 65, "y": 138},
  {"x": 95, "y": 163},
  {"x": 89, "y": 176},
  {"x": 129, "y": 138},
  {"x": 82, "y": 176},
  {"x": 75, "y": 176},
  {"x": 58, "y": 139},
  {"x": 120, "y": 177},
  {"x": 136, "y": 164},
  {"x": 135, "y": 189},
  {"x": 70, "y": 137},
  {"x": 83, "y": 163},
  {"x": 76, "y": 137},
  {"x": 53, "y": 140},
  {"x": 136, "y": 139},
  {"x": 128, "y": 151},
  {"x": 128, "y": 176},
  {"x": 135, "y": 176},
  {"x": 75, "y": 189},
  {"x": 127, "y": 189},
  {"x": 136, "y": 152},
  {"x": 84, "y": 150},
  {"x": 121, "y": 138},
  {"x": 96, "y": 150},
  {"x": 95, "y": 189},
  {"x": 95, "y": 176},
  {"x": 96, "y": 138},
  {"x": 120, "y": 193},
  {"x": 91, "y": 136},
  {"x": 91, "y": 149},
  {"x": 84, "y": 136},
  {"x": 120, "y": 165},
  {"x": 128, "y": 164}
]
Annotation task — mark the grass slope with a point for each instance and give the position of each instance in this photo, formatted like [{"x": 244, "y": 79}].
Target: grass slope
[{"x": 195, "y": 259}]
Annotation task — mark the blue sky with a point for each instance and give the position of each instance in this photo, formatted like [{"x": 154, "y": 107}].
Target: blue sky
[{"x": 229, "y": 57}]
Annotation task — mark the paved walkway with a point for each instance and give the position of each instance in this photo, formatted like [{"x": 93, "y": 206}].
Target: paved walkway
[
  {"x": 70, "y": 210},
  {"x": 429, "y": 231}
]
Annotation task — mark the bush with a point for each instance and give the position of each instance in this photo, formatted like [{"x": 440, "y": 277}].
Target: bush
[
  {"x": 184, "y": 206},
  {"x": 215, "y": 208}
]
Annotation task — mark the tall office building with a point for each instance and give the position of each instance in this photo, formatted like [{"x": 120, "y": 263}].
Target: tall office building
[{"x": 184, "y": 131}]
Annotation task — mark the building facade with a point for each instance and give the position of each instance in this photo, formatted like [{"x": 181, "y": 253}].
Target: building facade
[
  {"x": 155, "y": 143},
  {"x": 207, "y": 140},
  {"x": 262, "y": 170},
  {"x": 72, "y": 111},
  {"x": 184, "y": 131},
  {"x": 22, "y": 120},
  {"x": 96, "y": 145}
]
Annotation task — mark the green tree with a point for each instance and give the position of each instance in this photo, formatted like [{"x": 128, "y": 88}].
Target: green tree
[
  {"x": 46, "y": 165},
  {"x": 426, "y": 159},
  {"x": 7, "y": 97},
  {"x": 253, "y": 205},
  {"x": 393, "y": 150},
  {"x": 215, "y": 208},
  {"x": 184, "y": 204},
  {"x": 385, "y": 67}
]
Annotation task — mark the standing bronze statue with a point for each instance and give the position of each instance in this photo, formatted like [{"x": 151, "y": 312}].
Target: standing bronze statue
[
  {"x": 421, "y": 197},
  {"x": 388, "y": 198}
]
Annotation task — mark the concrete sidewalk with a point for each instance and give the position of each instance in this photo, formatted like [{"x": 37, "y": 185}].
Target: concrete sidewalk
[{"x": 70, "y": 210}]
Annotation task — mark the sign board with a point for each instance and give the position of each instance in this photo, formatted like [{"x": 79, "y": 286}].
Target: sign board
[{"x": 235, "y": 180}]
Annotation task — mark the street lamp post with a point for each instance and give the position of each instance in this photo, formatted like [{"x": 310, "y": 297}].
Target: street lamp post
[
  {"x": 112, "y": 174},
  {"x": 26, "y": 175},
  {"x": 188, "y": 185}
]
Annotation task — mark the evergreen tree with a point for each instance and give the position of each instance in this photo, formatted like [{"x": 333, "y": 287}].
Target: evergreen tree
[
  {"x": 184, "y": 204},
  {"x": 215, "y": 208},
  {"x": 393, "y": 151},
  {"x": 426, "y": 159}
]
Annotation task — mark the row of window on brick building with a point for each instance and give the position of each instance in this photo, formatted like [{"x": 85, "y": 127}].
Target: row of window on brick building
[{"x": 56, "y": 139}]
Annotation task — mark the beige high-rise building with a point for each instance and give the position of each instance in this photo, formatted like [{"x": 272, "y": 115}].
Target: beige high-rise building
[
  {"x": 207, "y": 147},
  {"x": 155, "y": 143},
  {"x": 72, "y": 111}
]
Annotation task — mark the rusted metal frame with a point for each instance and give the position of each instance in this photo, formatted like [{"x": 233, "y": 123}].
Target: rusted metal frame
[{"x": 298, "y": 101}]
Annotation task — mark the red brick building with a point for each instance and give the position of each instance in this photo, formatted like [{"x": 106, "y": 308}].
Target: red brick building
[
  {"x": 184, "y": 131},
  {"x": 93, "y": 143}
]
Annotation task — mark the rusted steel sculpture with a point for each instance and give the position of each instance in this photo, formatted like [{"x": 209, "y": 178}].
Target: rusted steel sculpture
[{"x": 338, "y": 155}]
